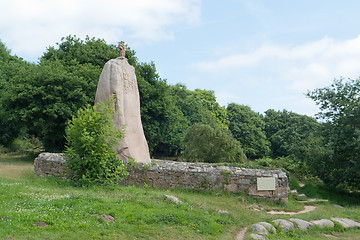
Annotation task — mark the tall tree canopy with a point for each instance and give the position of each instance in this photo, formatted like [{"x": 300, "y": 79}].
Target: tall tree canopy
[
  {"x": 42, "y": 97},
  {"x": 248, "y": 128},
  {"x": 340, "y": 111},
  {"x": 39, "y": 99},
  {"x": 11, "y": 68},
  {"x": 164, "y": 124},
  {"x": 287, "y": 131},
  {"x": 199, "y": 106}
]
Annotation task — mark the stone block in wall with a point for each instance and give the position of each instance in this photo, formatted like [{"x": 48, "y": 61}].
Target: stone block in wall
[
  {"x": 254, "y": 192},
  {"x": 231, "y": 187}
]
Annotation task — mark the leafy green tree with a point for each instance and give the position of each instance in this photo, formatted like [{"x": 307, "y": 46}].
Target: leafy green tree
[
  {"x": 206, "y": 144},
  {"x": 208, "y": 101},
  {"x": 340, "y": 111},
  {"x": 11, "y": 68},
  {"x": 90, "y": 152},
  {"x": 248, "y": 128},
  {"x": 44, "y": 97},
  {"x": 164, "y": 124},
  {"x": 74, "y": 51},
  {"x": 288, "y": 131},
  {"x": 199, "y": 106},
  {"x": 194, "y": 107}
]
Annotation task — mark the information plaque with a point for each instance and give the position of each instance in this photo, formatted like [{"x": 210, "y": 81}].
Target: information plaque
[{"x": 266, "y": 183}]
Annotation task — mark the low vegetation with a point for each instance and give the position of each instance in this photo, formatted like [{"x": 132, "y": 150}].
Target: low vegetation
[{"x": 141, "y": 212}]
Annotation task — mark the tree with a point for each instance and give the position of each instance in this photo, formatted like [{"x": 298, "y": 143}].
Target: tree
[
  {"x": 248, "y": 128},
  {"x": 207, "y": 99},
  {"x": 164, "y": 124},
  {"x": 43, "y": 97},
  {"x": 340, "y": 110},
  {"x": 288, "y": 131},
  {"x": 11, "y": 68},
  {"x": 74, "y": 51},
  {"x": 206, "y": 144}
]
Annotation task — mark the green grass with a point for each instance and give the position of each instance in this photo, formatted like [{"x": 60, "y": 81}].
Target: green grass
[
  {"x": 314, "y": 188},
  {"x": 139, "y": 212}
]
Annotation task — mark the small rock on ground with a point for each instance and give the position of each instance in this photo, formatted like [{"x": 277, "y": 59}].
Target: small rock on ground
[
  {"x": 284, "y": 225},
  {"x": 173, "y": 199},
  {"x": 314, "y": 200},
  {"x": 222, "y": 211},
  {"x": 107, "y": 218},
  {"x": 346, "y": 223},
  {"x": 257, "y": 228},
  {"x": 338, "y": 206},
  {"x": 268, "y": 226},
  {"x": 256, "y": 237},
  {"x": 302, "y": 224},
  {"x": 294, "y": 192},
  {"x": 323, "y": 223},
  {"x": 329, "y": 235}
]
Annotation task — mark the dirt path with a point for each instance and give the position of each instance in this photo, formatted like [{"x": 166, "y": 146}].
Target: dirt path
[
  {"x": 241, "y": 234},
  {"x": 307, "y": 209}
]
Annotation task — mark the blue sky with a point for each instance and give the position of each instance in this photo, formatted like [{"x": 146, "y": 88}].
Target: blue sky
[{"x": 264, "y": 54}]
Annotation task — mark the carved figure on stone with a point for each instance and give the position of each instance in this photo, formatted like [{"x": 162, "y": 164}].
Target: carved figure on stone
[
  {"x": 118, "y": 78},
  {"x": 123, "y": 49}
]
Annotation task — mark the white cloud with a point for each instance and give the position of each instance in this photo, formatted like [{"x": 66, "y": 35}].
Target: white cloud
[
  {"x": 31, "y": 25},
  {"x": 300, "y": 68}
]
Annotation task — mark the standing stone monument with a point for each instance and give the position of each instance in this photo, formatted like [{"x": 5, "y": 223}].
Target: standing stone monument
[{"x": 118, "y": 79}]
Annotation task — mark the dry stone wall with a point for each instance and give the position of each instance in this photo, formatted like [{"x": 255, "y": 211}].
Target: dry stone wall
[{"x": 170, "y": 174}]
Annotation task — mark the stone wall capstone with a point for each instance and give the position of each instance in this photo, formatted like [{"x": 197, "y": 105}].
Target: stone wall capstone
[{"x": 171, "y": 174}]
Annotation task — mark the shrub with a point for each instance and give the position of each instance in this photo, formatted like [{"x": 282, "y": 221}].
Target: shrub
[
  {"x": 206, "y": 144},
  {"x": 24, "y": 143},
  {"x": 91, "y": 141}
]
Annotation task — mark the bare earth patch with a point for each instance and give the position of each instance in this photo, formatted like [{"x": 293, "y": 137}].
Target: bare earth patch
[
  {"x": 329, "y": 235},
  {"x": 107, "y": 218},
  {"x": 307, "y": 209},
  {"x": 41, "y": 224},
  {"x": 15, "y": 171},
  {"x": 241, "y": 234}
]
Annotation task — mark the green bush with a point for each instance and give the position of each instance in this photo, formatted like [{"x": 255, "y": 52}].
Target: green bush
[
  {"x": 91, "y": 140},
  {"x": 24, "y": 143},
  {"x": 206, "y": 144}
]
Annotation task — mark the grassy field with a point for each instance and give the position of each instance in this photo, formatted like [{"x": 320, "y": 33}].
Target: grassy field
[{"x": 140, "y": 212}]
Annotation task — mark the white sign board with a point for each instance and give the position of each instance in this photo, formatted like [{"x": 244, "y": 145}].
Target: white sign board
[{"x": 266, "y": 183}]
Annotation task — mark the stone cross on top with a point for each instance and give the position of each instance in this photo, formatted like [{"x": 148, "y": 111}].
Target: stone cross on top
[{"x": 122, "y": 48}]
